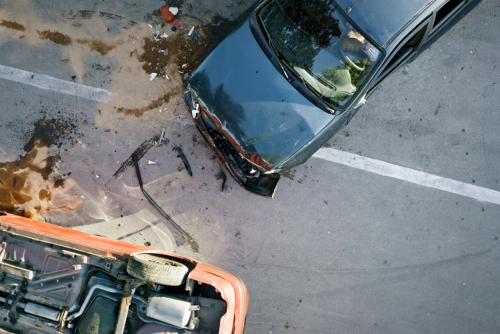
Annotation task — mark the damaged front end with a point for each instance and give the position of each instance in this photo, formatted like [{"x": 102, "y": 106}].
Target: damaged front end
[{"x": 254, "y": 174}]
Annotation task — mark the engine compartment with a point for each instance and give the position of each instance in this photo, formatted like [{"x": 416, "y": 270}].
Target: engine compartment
[{"x": 45, "y": 288}]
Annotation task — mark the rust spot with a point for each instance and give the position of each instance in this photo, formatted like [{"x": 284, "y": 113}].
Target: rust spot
[
  {"x": 42, "y": 297},
  {"x": 154, "y": 104},
  {"x": 12, "y": 25},
  {"x": 96, "y": 45},
  {"x": 55, "y": 37}
]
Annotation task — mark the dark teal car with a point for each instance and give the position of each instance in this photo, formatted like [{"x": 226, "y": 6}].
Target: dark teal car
[{"x": 292, "y": 73}]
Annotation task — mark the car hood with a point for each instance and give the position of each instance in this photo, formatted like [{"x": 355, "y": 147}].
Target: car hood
[{"x": 265, "y": 116}]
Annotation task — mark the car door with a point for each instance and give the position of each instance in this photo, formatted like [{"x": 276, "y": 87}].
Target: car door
[
  {"x": 445, "y": 17},
  {"x": 403, "y": 53}
]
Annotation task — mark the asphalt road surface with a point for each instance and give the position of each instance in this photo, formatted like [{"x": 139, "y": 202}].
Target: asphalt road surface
[{"x": 392, "y": 228}]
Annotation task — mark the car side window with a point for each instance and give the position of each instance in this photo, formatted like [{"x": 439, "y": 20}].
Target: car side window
[
  {"x": 412, "y": 43},
  {"x": 445, "y": 12}
]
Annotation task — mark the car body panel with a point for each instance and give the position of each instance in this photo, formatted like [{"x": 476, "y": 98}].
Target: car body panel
[
  {"x": 253, "y": 102},
  {"x": 231, "y": 287}
]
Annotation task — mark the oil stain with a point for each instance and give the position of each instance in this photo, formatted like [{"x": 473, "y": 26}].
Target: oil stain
[
  {"x": 97, "y": 45},
  {"x": 137, "y": 112},
  {"x": 44, "y": 194},
  {"x": 14, "y": 188},
  {"x": 12, "y": 25},
  {"x": 55, "y": 36},
  {"x": 50, "y": 132}
]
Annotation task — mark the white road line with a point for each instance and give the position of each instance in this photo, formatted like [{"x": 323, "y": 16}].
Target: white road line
[
  {"x": 409, "y": 175},
  {"x": 57, "y": 85}
]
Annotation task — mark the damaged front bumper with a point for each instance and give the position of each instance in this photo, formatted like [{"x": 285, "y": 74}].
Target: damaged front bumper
[{"x": 249, "y": 175}]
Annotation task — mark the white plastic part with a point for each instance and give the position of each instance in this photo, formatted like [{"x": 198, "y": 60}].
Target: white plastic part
[
  {"x": 170, "y": 310},
  {"x": 173, "y": 10},
  {"x": 152, "y": 76}
]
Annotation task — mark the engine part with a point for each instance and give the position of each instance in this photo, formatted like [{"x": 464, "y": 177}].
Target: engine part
[
  {"x": 157, "y": 269},
  {"x": 100, "y": 317},
  {"x": 43, "y": 311},
  {"x": 34, "y": 308},
  {"x": 138, "y": 171},
  {"x": 128, "y": 293},
  {"x": 169, "y": 310}
]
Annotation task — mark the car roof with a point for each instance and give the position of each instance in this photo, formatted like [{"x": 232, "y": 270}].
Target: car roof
[{"x": 382, "y": 20}]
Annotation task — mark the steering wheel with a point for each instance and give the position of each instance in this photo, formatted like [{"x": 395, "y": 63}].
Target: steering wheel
[{"x": 354, "y": 65}]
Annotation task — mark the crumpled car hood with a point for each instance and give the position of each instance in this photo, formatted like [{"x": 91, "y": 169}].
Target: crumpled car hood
[{"x": 254, "y": 104}]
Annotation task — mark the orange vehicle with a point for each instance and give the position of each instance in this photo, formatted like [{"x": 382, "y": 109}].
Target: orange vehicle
[{"x": 57, "y": 280}]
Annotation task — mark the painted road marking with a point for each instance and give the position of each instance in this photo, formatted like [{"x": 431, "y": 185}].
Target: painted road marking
[
  {"x": 46, "y": 82},
  {"x": 409, "y": 175}
]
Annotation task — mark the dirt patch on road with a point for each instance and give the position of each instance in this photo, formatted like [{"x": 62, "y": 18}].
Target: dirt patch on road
[
  {"x": 180, "y": 51},
  {"x": 55, "y": 36},
  {"x": 97, "y": 45},
  {"x": 12, "y": 25},
  {"x": 27, "y": 185},
  {"x": 154, "y": 104}
]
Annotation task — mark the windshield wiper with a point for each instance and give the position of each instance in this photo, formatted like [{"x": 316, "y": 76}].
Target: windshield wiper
[{"x": 276, "y": 54}]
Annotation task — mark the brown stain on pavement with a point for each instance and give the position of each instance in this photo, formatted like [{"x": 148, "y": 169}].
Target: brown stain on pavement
[
  {"x": 12, "y": 25},
  {"x": 181, "y": 50},
  {"x": 14, "y": 188},
  {"x": 55, "y": 36},
  {"x": 97, "y": 45},
  {"x": 152, "y": 105}
]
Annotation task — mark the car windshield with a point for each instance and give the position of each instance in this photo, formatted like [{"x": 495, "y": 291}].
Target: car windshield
[{"x": 319, "y": 44}]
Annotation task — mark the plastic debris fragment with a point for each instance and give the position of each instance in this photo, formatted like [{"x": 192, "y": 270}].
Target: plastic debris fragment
[
  {"x": 152, "y": 76},
  {"x": 195, "y": 35}
]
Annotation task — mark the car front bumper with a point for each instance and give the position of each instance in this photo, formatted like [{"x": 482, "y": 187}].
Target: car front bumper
[{"x": 264, "y": 184}]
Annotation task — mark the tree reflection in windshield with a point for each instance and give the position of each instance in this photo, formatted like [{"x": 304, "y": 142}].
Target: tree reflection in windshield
[{"x": 319, "y": 44}]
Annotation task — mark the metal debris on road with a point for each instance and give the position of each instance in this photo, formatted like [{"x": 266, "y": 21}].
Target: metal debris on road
[
  {"x": 162, "y": 137},
  {"x": 138, "y": 171},
  {"x": 222, "y": 176},
  {"x": 153, "y": 162},
  {"x": 180, "y": 154}
]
